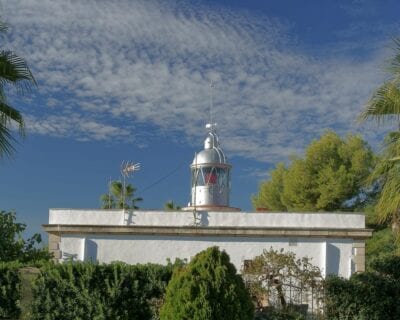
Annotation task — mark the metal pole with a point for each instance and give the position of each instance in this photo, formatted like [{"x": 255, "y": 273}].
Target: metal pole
[{"x": 109, "y": 193}]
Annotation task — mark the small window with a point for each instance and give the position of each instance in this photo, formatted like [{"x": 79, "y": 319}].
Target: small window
[{"x": 247, "y": 264}]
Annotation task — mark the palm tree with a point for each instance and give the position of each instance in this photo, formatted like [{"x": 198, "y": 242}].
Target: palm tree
[
  {"x": 384, "y": 106},
  {"x": 171, "y": 206},
  {"x": 14, "y": 72},
  {"x": 120, "y": 197},
  {"x": 386, "y": 175},
  {"x": 385, "y": 102}
]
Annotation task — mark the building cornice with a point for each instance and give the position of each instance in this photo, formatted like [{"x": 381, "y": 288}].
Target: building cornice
[{"x": 200, "y": 231}]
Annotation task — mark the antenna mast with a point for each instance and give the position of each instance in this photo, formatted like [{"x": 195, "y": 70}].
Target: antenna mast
[
  {"x": 127, "y": 169},
  {"x": 212, "y": 85}
]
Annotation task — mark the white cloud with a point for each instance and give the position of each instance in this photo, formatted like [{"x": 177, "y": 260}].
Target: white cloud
[{"x": 103, "y": 66}]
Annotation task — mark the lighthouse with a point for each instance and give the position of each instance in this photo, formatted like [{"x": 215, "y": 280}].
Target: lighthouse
[{"x": 210, "y": 176}]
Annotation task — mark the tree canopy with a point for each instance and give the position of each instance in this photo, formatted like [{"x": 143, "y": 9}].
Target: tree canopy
[
  {"x": 120, "y": 197},
  {"x": 208, "y": 288},
  {"x": 329, "y": 177}
]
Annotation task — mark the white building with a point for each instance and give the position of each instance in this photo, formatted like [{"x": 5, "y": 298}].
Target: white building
[{"x": 334, "y": 241}]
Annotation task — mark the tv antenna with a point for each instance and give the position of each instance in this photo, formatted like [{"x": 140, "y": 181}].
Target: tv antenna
[{"x": 127, "y": 170}]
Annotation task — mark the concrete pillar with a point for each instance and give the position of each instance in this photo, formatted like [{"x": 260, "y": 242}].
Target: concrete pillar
[
  {"x": 359, "y": 255},
  {"x": 54, "y": 246}
]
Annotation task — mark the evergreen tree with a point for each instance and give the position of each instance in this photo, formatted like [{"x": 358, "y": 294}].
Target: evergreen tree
[
  {"x": 330, "y": 177},
  {"x": 208, "y": 288}
]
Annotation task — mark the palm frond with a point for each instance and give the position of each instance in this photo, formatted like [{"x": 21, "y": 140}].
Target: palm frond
[
  {"x": 391, "y": 145},
  {"x": 15, "y": 71},
  {"x": 107, "y": 201},
  {"x": 389, "y": 201},
  {"x": 116, "y": 189},
  {"x": 124, "y": 195},
  {"x": 134, "y": 201},
  {"x": 383, "y": 105},
  {"x": 8, "y": 114},
  {"x": 393, "y": 65},
  {"x": 6, "y": 139},
  {"x": 3, "y": 26}
]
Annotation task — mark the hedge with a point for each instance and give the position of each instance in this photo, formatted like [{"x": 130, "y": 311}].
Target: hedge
[
  {"x": 370, "y": 295},
  {"x": 99, "y": 291},
  {"x": 10, "y": 283}
]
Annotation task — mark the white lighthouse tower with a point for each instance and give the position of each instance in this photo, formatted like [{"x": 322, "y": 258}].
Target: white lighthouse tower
[{"x": 211, "y": 176}]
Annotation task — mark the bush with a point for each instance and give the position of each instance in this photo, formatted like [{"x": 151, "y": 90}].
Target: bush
[
  {"x": 9, "y": 291},
  {"x": 12, "y": 245},
  {"x": 208, "y": 288},
  {"x": 370, "y": 295},
  {"x": 387, "y": 267},
  {"x": 381, "y": 244},
  {"x": 279, "y": 314},
  {"x": 92, "y": 291}
]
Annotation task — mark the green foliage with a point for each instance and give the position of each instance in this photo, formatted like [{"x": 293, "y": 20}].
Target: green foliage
[
  {"x": 272, "y": 274},
  {"x": 208, "y": 288},
  {"x": 14, "y": 73},
  {"x": 369, "y": 295},
  {"x": 90, "y": 291},
  {"x": 388, "y": 267},
  {"x": 28, "y": 276},
  {"x": 271, "y": 191},
  {"x": 171, "y": 206},
  {"x": 13, "y": 247},
  {"x": 329, "y": 177},
  {"x": 381, "y": 244},
  {"x": 386, "y": 177},
  {"x": 120, "y": 197},
  {"x": 279, "y": 314},
  {"x": 9, "y": 291},
  {"x": 384, "y": 106}
]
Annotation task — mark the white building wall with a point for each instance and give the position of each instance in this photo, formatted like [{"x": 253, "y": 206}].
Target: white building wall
[
  {"x": 157, "y": 249},
  {"x": 329, "y": 239},
  {"x": 212, "y": 219}
]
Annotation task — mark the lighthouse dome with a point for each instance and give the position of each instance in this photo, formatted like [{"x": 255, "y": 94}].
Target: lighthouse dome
[
  {"x": 211, "y": 153},
  {"x": 214, "y": 155}
]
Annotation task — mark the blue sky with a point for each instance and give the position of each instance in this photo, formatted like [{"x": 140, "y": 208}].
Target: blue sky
[{"x": 129, "y": 80}]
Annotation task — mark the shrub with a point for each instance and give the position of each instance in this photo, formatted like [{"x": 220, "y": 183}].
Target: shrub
[
  {"x": 208, "y": 288},
  {"x": 370, "y": 295},
  {"x": 92, "y": 291},
  {"x": 279, "y": 314},
  {"x": 9, "y": 291}
]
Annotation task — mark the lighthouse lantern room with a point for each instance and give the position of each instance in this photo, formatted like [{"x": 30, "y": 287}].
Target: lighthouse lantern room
[{"x": 210, "y": 183}]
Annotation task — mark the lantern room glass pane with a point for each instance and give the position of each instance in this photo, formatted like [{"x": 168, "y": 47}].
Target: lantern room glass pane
[{"x": 208, "y": 176}]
